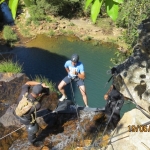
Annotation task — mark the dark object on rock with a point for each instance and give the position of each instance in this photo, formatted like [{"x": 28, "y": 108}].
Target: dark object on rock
[
  {"x": 33, "y": 128},
  {"x": 114, "y": 70},
  {"x": 38, "y": 143},
  {"x": 46, "y": 90}
]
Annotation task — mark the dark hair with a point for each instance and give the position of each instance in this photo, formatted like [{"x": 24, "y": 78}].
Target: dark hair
[{"x": 46, "y": 90}]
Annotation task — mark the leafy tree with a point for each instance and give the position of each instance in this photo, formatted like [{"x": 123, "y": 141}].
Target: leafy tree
[{"x": 112, "y": 7}]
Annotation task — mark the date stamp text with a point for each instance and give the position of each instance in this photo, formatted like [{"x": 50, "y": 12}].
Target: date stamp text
[{"x": 139, "y": 128}]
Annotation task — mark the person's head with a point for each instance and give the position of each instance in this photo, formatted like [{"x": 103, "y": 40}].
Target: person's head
[
  {"x": 37, "y": 90},
  {"x": 75, "y": 59}
]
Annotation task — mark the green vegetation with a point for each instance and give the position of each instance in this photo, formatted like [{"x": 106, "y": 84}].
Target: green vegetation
[
  {"x": 52, "y": 86},
  {"x": 13, "y": 7},
  {"x": 8, "y": 66},
  {"x": 65, "y": 8},
  {"x": 8, "y": 34},
  {"x": 88, "y": 38},
  {"x": 131, "y": 14},
  {"x": 117, "y": 13},
  {"x": 119, "y": 57},
  {"x": 112, "y": 7},
  {"x": 51, "y": 33},
  {"x": 70, "y": 32},
  {"x": 95, "y": 43}
]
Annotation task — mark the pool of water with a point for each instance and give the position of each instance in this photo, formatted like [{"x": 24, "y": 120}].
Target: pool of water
[{"x": 46, "y": 57}]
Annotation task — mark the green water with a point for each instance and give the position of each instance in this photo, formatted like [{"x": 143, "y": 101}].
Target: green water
[{"x": 46, "y": 56}]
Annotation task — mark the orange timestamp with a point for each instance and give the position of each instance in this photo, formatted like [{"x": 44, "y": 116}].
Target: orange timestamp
[{"x": 139, "y": 128}]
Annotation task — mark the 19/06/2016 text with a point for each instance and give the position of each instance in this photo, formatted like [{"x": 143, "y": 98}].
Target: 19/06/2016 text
[{"x": 139, "y": 128}]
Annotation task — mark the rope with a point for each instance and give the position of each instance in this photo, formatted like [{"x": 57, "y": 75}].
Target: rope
[
  {"x": 21, "y": 126},
  {"x": 105, "y": 126},
  {"x": 147, "y": 123},
  {"x": 12, "y": 132},
  {"x": 49, "y": 113},
  {"x": 108, "y": 81},
  {"x": 74, "y": 101},
  {"x": 137, "y": 106},
  {"x": 92, "y": 143},
  {"x": 148, "y": 116},
  {"x": 94, "y": 138}
]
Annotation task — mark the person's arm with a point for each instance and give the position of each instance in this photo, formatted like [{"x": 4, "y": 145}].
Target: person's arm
[
  {"x": 107, "y": 94},
  {"x": 67, "y": 70},
  {"x": 81, "y": 75},
  {"x": 33, "y": 83}
]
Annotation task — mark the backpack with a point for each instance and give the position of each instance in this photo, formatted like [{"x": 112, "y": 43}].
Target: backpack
[
  {"x": 63, "y": 106},
  {"x": 24, "y": 105}
]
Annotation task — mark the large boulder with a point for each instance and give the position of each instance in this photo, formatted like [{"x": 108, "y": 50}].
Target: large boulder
[
  {"x": 133, "y": 74},
  {"x": 135, "y": 139}
]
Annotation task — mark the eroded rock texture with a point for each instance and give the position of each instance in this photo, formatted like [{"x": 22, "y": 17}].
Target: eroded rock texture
[{"x": 135, "y": 71}]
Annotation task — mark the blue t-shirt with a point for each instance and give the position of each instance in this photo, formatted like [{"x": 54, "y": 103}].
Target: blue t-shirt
[{"x": 79, "y": 68}]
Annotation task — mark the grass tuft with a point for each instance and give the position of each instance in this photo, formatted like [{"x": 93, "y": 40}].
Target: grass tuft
[
  {"x": 52, "y": 86},
  {"x": 9, "y": 34},
  {"x": 10, "y": 66}
]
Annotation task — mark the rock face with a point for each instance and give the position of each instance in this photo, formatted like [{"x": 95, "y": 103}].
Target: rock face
[
  {"x": 135, "y": 71},
  {"x": 137, "y": 138},
  {"x": 10, "y": 85}
]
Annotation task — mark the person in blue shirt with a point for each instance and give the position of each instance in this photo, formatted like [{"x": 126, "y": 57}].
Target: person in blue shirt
[{"x": 75, "y": 70}]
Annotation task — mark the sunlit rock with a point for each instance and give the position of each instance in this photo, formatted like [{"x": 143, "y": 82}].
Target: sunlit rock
[
  {"x": 135, "y": 71},
  {"x": 129, "y": 134}
]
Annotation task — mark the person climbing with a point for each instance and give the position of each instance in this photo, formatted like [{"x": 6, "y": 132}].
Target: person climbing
[
  {"x": 75, "y": 70},
  {"x": 114, "y": 104},
  {"x": 27, "y": 105}
]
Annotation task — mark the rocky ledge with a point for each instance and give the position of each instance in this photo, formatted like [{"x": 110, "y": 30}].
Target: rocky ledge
[
  {"x": 132, "y": 79},
  {"x": 60, "y": 130}
]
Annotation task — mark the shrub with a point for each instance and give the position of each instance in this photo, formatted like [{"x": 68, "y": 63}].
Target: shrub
[
  {"x": 67, "y": 8},
  {"x": 120, "y": 57},
  {"x": 8, "y": 66},
  {"x": 52, "y": 86},
  {"x": 9, "y": 34},
  {"x": 130, "y": 16}
]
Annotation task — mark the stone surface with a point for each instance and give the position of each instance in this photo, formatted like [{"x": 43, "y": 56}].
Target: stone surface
[
  {"x": 135, "y": 71},
  {"x": 123, "y": 139},
  {"x": 10, "y": 85}
]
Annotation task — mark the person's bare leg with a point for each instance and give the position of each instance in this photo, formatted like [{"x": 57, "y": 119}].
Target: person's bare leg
[
  {"x": 83, "y": 92},
  {"x": 61, "y": 89}
]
